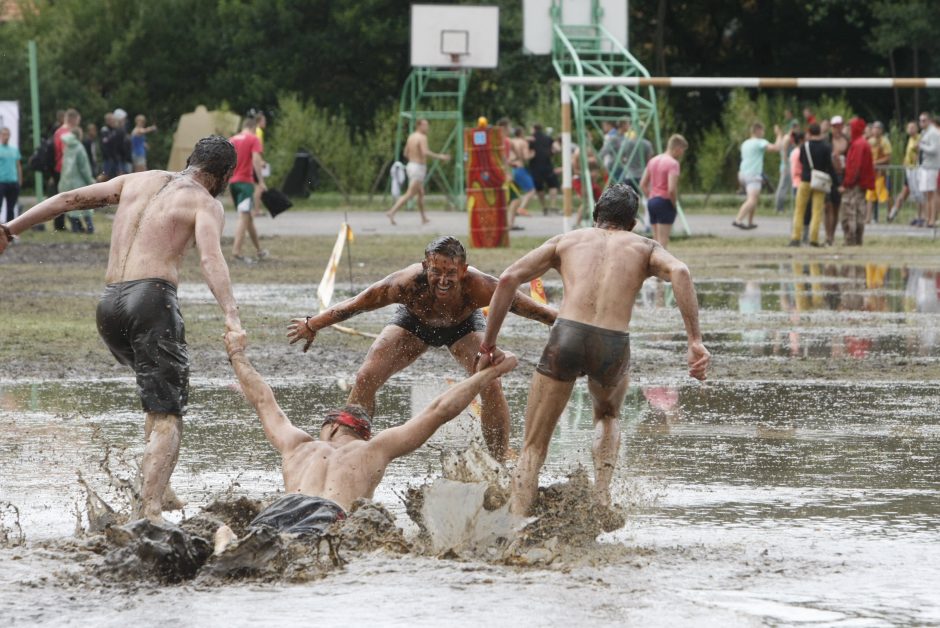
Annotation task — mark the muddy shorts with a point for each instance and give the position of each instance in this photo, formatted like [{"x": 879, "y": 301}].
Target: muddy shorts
[
  {"x": 299, "y": 514},
  {"x": 576, "y": 349},
  {"x": 437, "y": 336},
  {"x": 141, "y": 324}
]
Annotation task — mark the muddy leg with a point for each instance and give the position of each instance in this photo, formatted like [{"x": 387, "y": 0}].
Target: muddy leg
[
  {"x": 494, "y": 411},
  {"x": 159, "y": 460},
  {"x": 391, "y": 352},
  {"x": 606, "y": 446},
  {"x": 547, "y": 400}
]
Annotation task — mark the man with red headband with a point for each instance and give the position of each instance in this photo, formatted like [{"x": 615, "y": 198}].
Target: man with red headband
[
  {"x": 439, "y": 303},
  {"x": 323, "y": 477}
]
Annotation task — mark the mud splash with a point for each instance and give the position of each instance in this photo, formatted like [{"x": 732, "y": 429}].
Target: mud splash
[
  {"x": 465, "y": 514},
  {"x": 462, "y": 515}
]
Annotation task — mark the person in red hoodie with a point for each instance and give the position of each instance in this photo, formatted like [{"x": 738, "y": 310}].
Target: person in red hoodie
[{"x": 859, "y": 177}]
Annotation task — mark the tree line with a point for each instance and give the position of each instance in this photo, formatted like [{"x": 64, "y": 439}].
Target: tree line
[{"x": 348, "y": 60}]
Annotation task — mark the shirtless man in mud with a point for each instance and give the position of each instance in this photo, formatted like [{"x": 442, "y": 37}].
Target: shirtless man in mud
[
  {"x": 323, "y": 477},
  {"x": 160, "y": 216},
  {"x": 602, "y": 270},
  {"x": 417, "y": 153},
  {"x": 439, "y": 301},
  {"x": 518, "y": 157}
]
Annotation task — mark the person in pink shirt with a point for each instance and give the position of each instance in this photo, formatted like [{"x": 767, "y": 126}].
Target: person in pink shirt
[
  {"x": 660, "y": 185},
  {"x": 796, "y": 168}
]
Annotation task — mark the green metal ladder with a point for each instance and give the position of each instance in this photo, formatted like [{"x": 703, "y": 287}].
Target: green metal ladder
[
  {"x": 590, "y": 50},
  {"x": 437, "y": 95}
]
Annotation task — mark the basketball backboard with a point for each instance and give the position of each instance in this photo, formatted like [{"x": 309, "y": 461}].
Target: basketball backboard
[
  {"x": 452, "y": 35},
  {"x": 537, "y": 21}
]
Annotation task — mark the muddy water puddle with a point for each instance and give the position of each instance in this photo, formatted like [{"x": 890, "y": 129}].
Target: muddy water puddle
[{"x": 748, "y": 502}]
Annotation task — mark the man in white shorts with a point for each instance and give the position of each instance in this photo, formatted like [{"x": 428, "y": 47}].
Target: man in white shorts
[
  {"x": 929, "y": 165},
  {"x": 751, "y": 172},
  {"x": 417, "y": 153}
]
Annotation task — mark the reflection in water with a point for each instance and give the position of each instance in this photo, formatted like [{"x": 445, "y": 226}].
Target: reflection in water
[
  {"x": 824, "y": 310},
  {"x": 821, "y": 286}
]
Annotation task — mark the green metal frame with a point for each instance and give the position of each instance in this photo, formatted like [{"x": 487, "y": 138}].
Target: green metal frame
[
  {"x": 437, "y": 95},
  {"x": 593, "y": 51}
]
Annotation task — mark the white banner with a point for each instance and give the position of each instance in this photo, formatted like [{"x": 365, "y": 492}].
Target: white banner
[{"x": 10, "y": 118}]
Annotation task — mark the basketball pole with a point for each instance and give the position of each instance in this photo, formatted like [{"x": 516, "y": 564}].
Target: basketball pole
[
  {"x": 34, "y": 101},
  {"x": 566, "y": 155}
]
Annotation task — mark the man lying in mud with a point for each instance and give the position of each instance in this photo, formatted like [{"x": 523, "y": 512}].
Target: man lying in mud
[
  {"x": 160, "y": 216},
  {"x": 323, "y": 477},
  {"x": 602, "y": 270},
  {"x": 439, "y": 305}
]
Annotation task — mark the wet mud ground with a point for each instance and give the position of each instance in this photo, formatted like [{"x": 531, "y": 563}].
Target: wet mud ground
[{"x": 799, "y": 486}]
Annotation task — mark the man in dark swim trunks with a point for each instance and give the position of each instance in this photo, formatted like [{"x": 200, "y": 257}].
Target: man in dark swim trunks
[
  {"x": 439, "y": 301},
  {"x": 323, "y": 477},
  {"x": 159, "y": 217},
  {"x": 602, "y": 269}
]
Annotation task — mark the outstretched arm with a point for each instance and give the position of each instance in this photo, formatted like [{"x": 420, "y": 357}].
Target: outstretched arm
[
  {"x": 280, "y": 432},
  {"x": 89, "y": 197},
  {"x": 668, "y": 268},
  {"x": 522, "y": 304},
  {"x": 528, "y": 267},
  {"x": 209, "y": 219},
  {"x": 379, "y": 294},
  {"x": 404, "y": 439}
]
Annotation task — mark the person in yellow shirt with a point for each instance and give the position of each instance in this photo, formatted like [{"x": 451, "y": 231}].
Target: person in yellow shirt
[
  {"x": 881, "y": 154},
  {"x": 911, "y": 161}
]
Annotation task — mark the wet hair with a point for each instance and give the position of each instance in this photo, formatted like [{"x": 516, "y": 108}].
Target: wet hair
[
  {"x": 361, "y": 425},
  {"x": 448, "y": 246},
  {"x": 215, "y": 156},
  {"x": 617, "y": 206},
  {"x": 814, "y": 129}
]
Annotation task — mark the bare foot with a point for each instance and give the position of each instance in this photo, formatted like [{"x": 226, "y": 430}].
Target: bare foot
[
  {"x": 223, "y": 538},
  {"x": 391, "y": 217},
  {"x": 171, "y": 501},
  {"x": 425, "y": 221}
]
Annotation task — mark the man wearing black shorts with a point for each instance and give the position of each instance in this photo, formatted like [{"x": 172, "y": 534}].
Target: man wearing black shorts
[
  {"x": 542, "y": 168},
  {"x": 159, "y": 216},
  {"x": 590, "y": 336},
  {"x": 439, "y": 303}
]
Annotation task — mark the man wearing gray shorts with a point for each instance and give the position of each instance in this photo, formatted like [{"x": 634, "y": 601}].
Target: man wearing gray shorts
[
  {"x": 751, "y": 172},
  {"x": 589, "y": 336}
]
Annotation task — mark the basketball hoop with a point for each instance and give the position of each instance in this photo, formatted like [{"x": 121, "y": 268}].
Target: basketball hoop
[{"x": 455, "y": 44}]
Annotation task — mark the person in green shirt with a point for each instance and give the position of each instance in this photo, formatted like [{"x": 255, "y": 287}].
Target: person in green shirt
[
  {"x": 76, "y": 173},
  {"x": 751, "y": 172},
  {"x": 11, "y": 175}
]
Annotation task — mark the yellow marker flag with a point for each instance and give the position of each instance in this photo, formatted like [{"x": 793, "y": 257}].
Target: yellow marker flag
[
  {"x": 537, "y": 291},
  {"x": 325, "y": 289}
]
